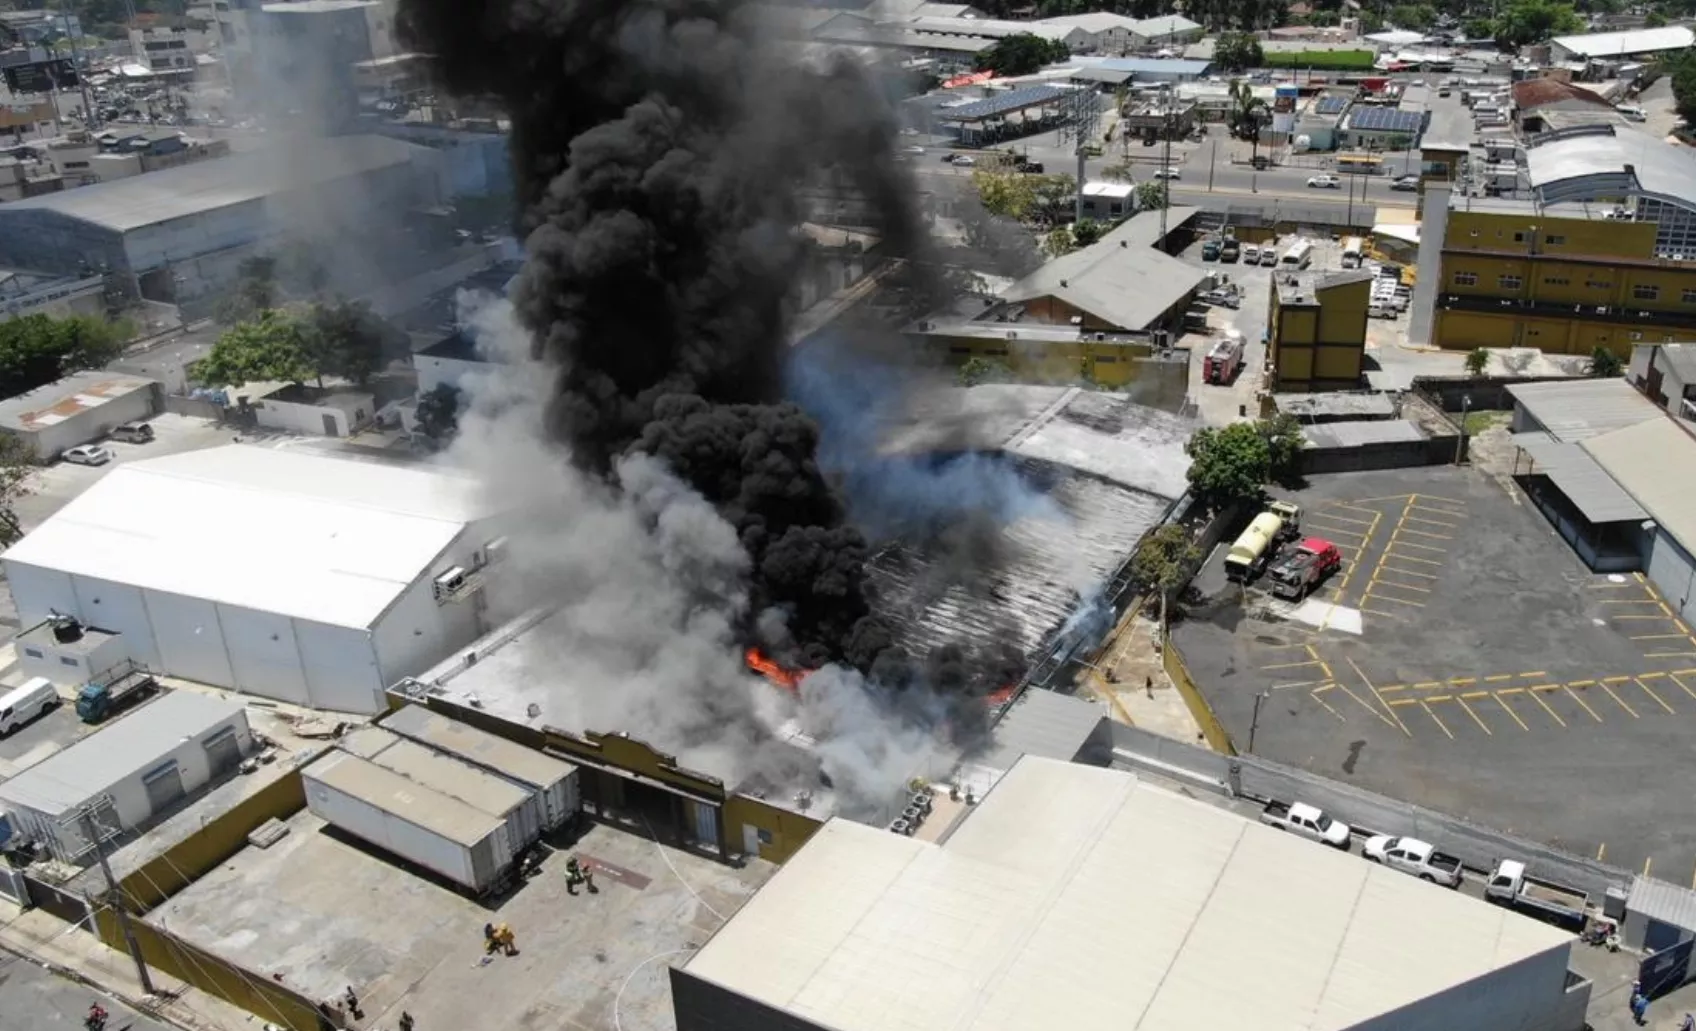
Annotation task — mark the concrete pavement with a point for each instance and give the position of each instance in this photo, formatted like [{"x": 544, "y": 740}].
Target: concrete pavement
[{"x": 40, "y": 1000}]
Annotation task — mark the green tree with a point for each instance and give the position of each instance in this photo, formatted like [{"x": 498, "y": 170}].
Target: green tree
[
  {"x": 1654, "y": 20},
  {"x": 1237, "y": 52},
  {"x": 1088, "y": 232},
  {"x": 438, "y": 414},
  {"x": 1413, "y": 16},
  {"x": 348, "y": 339},
  {"x": 35, "y": 350},
  {"x": 1480, "y": 27},
  {"x": 1523, "y": 22},
  {"x": 1152, "y": 194},
  {"x": 1008, "y": 194},
  {"x": 1165, "y": 560},
  {"x": 975, "y": 370},
  {"x": 1604, "y": 364},
  {"x": 1059, "y": 242},
  {"x": 1477, "y": 360},
  {"x": 1284, "y": 444},
  {"x": 1247, "y": 114},
  {"x": 15, "y": 472},
  {"x": 274, "y": 346},
  {"x": 1228, "y": 465},
  {"x": 1681, "y": 74},
  {"x": 254, "y": 291},
  {"x": 1021, "y": 54}
]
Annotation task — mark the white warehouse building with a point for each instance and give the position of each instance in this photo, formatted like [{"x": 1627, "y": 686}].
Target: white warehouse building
[
  {"x": 1082, "y": 898},
  {"x": 129, "y": 773},
  {"x": 288, "y": 574}
]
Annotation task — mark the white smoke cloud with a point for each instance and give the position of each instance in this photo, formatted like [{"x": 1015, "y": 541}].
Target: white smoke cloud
[{"x": 648, "y": 583}]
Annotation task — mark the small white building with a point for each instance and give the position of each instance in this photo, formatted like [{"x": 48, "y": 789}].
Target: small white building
[
  {"x": 1109, "y": 202},
  {"x": 453, "y": 361},
  {"x": 331, "y": 412},
  {"x": 128, "y": 773},
  {"x": 288, "y": 574},
  {"x": 68, "y": 653},
  {"x": 82, "y": 407}
]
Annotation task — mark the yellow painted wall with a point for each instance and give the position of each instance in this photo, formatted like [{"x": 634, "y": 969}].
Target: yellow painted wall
[
  {"x": 216, "y": 840},
  {"x": 1324, "y": 345},
  {"x": 1061, "y": 361},
  {"x": 1555, "y": 237},
  {"x": 1463, "y": 331},
  {"x": 785, "y": 831}
]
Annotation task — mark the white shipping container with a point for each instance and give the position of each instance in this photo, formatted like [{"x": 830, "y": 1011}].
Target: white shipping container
[
  {"x": 518, "y": 805},
  {"x": 442, "y": 834},
  {"x": 554, "y": 780}
]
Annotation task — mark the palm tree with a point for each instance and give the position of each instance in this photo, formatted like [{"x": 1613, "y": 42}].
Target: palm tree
[{"x": 1248, "y": 114}]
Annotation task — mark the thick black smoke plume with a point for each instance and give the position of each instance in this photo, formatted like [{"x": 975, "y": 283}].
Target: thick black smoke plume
[{"x": 661, "y": 152}]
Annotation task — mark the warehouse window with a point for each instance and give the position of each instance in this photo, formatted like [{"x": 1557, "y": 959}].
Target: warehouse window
[
  {"x": 1557, "y": 281},
  {"x": 1465, "y": 279},
  {"x": 67, "y": 660},
  {"x": 1519, "y": 238},
  {"x": 1596, "y": 284},
  {"x": 34, "y": 653},
  {"x": 1645, "y": 292},
  {"x": 1688, "y": 296},
  {"x": 1554, "y": 241},
  {"x": 1510, "y": 282},
  {"x": 1634, "y": 335}
]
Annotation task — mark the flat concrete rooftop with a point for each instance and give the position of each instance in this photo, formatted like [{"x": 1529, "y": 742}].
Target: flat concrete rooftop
[{"x": 320, "y": 911}]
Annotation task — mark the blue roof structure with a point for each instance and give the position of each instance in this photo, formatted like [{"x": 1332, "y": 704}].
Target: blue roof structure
[
  {"x": 1330, "y": 105},
  {"x": 1387, "y": 119},
  {"x": 1004, "y": 103}
]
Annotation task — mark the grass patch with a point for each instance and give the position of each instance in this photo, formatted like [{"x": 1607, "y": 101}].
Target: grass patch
[
  {"x": 1478, "y": 422},
  {"x": 1324, "y": 60}
]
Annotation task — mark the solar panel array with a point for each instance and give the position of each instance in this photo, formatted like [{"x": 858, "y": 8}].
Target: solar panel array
[
  {"x": 1330, "y": 105},
  {"x": 1386, "y": 119},
  {"x": 1005, "y": 103}
]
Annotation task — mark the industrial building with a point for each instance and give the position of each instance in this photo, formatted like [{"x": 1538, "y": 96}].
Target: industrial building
[
  {"x": 1563, "y": 277},
  {"x": 182, "y": 232},
  {"x": 1666, "y": 375},
  {"x": 552, "y": 781},
  {"x": 1535, "y": 99},
  {"x": 1630, "y": 45},
  {"x": 1078, "y": 897},
  {"x": 1625, "y": 175},
  {"x": 82, "y": 407},
  {"x": 127, "y": 774},
  {"x": 1611, "y": 472},
  {"x": 286, "y": 574},
  {"x": 1316, "y": 331}
]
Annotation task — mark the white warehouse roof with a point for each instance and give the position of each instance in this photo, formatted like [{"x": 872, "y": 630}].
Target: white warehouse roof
[
  {"x": 311, "y": 536},
  {"x": 72, "y": 776},
  {"x": 1078, "y": 897},
  {"x": 1628, "y": 42}
]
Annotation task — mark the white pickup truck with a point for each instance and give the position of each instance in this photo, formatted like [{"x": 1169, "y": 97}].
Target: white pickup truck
[
  {"x": 1307, "y": 821},
  {"x": 1420, "y": 858}
]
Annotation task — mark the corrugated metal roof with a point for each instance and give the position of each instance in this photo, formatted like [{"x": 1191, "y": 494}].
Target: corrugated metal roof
[
  {"x": 128, "y": 746},
  {"x": 343, "y": 538},
  {"x": 1632, "y": 41},
  {"x": 1655, "y": 461},
  {"x": 1593, "y": 161},
  {"x": 437, "y": 771},
  {"x": 1121, "y": 280},
  {"x": 525, "y": 765},
  {"x": 67, "y": 398},
  {"x": 402, "y": 797},
  {"x": 1587, "y": 485},
  {"x": 1661, "y": 901},
  {"x": 1077, "y": 897},
  {"x": 1044, "y": 724},
  {"x": 144, "y": 200},
  {"x": 1681, "y": 359},
  {"x": 1359, "y": 433},
  {"x": 1574, "y": 409}
]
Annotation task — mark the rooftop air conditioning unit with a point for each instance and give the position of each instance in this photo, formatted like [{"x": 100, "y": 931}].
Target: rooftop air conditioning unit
[
  {"x": 494, "y": 551},
  {"x": 450, "y": 583}
]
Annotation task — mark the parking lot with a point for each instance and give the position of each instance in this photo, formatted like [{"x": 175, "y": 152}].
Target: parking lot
[{"x": 1463, "y": 658}]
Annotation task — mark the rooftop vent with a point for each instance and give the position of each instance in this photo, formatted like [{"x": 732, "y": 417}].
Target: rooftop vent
[{"x": 66, "y": 629}]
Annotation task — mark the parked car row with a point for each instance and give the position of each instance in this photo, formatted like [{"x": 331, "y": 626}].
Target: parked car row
[
  {"x": 1508, "y": 884},
  {"x": 95, "y": 454}
]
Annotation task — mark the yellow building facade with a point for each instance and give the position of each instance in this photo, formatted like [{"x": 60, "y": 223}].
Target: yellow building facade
[
  {"x": 1316, "y": 337},
  {"x": 1564, "y": 285}
]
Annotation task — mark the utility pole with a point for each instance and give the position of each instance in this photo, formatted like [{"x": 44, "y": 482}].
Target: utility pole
[
  {"x": 114, "y": 897},
  {"x": 1212, "y": 155},
  {"x": 90, "y": 119},
  {"x": 1166, "y": 157}
]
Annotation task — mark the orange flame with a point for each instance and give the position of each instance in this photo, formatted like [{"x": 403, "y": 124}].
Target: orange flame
[{"x": 789, "y": 680}]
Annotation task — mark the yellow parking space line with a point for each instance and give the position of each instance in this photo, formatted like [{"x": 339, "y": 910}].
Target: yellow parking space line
[
  {"x": 1390, "y": 597},
  {"x": 1582, "y": 683},
  {"x": 1682, "y": 685},
  {"x": 1608, "y": 587},
  {"x": 1357, "y": 502},
  {"x": 1611, "y": 694},
  {"x": 1397, "y": 542},
  {"x": 1650, "y": 676},
  {"x": 1408, "y": 572},
  {"x": 1389, "y": 553},
  {"x": 1399, "y": 702},
  {"x": 1659, "y": 637},
  {"x": 1377, "y": 694},
  {"x": 1377, "y": 579},
  {"x": 1293, "y": 665},
  {"x": 1629, "y": 615},
  {"x": 1509, "y": 709},
  {"x": 1485, "y": 727},
  {"x": 1496, "y": 677},
  {"x": 1439, "y": 698},
  {"x": 1438, "y": 498},
  {"x": 1582, "y": 704},
  {"x": 1601, "y": 850},
  {"x": 1651, "y": 693},
  {"x": 1552, "y": 713},
  {"x": 1298, "y": 683},
  {"x": 1444, "y": 727},
  {"x": 1324, "y": 514},
  {"x": 1463, "y": 681},
  {"x": 1646, "y": 864},
  {"x": 1292, "y": 644},
  {"x": 1632, "y": 601},
  {"x": 1381, "y": 612},
  {"x": 1330, "y": 533},
  {"x": 1668, "y": 655},
  {"x": 1422, "y": 533},
  {"x": 1534, "y": 674},
  {"x": 1434, "y": 522},
  {"x": 1680, "y": 624},
  {"x": 1314, "y": 694}
]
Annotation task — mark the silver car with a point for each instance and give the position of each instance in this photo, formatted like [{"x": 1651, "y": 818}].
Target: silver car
[{"x": 87, "y": 454}]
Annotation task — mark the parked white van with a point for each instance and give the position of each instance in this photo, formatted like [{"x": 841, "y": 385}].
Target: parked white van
[{"x": 22, "y": 704}]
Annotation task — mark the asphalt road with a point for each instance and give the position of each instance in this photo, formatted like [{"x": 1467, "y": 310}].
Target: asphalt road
[{"x": 37, "y": 1000}]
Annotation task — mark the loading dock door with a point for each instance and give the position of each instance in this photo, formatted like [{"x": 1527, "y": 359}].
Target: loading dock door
[
  {"x": 223, "y": 752},
  {"x": 164, "y": 786}
]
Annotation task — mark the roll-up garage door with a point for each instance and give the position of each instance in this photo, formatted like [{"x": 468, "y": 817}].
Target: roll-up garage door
[
  {"x": 223, "y": 752},
  {"x": 164, "y": 786}
]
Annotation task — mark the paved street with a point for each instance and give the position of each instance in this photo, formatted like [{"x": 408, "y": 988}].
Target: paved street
[{"x": 32, "y": 999}]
